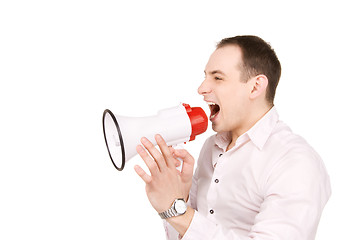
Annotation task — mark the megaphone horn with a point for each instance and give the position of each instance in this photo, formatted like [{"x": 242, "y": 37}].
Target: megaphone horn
[{"x": 176, "y": 125}]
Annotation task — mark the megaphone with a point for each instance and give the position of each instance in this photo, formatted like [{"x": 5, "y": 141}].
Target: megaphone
[{"x": 176, "y": 125}]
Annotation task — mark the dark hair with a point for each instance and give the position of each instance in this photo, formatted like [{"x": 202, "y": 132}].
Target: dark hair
[{"x": 258, "y": 58}]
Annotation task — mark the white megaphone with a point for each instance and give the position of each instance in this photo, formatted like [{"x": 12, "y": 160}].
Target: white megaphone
[{"x": 176, "y": 125}]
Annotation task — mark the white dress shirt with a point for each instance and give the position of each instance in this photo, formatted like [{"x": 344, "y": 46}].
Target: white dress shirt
[{"x": 270, "y": 185}]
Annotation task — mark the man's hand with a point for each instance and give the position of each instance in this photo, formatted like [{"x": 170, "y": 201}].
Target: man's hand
[{"x": 165, "y": 183}]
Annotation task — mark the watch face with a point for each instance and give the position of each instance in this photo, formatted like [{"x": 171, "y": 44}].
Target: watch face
[{"x": 180, "y": 206}]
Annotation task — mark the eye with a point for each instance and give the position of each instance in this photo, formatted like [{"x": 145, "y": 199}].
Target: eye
[{"x": 218, "y": 78}]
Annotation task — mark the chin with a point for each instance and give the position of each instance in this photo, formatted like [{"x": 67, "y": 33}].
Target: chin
[{"x": 216, "y": 128}]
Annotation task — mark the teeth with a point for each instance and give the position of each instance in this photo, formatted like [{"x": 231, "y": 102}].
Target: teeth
[
  {"x": 213, "y": 116},
  {"x": 213, "y": 108}
]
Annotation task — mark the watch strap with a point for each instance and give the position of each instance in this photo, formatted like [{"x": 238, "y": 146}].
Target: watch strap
[
  {"x": 168, "y": 213},
  {"x": 171, "y": 212}
]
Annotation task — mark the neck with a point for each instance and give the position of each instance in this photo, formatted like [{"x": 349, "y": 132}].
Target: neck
[{"x": 251, "y": 119}]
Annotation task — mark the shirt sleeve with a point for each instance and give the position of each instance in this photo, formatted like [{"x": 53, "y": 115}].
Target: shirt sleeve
[
  {"x": 171, "y": 233},
  {"x": 295, "y": 193}
]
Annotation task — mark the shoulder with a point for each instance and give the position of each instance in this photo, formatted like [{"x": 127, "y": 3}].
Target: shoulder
[
  {"x": 287, "y": 143},
  {"x": 295, "y": 162}
]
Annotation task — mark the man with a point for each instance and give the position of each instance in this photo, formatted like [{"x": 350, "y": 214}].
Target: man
[{"x": 255, "y": 179}]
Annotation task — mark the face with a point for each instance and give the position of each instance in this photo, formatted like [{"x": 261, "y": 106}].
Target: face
[{"x": 224, "y": 90}]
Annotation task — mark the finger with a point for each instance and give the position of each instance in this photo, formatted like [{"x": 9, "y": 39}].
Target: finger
[
  {"x": 172, "y": 150},
  {"x": 165, "y": 151},
  {"x": 185, "y": 156},
  {"x": 176, "y": 161},
  {"x": 150, "y": 163},
  {"x": 144, "y": 176},
  {"x": 154, "y": 153},
  {"x": 188, "y": 161}
]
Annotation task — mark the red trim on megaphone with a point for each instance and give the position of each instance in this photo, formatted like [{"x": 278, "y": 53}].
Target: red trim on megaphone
[{"x": 198, "y": 119}]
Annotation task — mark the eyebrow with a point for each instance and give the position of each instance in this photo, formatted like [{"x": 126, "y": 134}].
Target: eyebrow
[{"x": 216, "y": 71}]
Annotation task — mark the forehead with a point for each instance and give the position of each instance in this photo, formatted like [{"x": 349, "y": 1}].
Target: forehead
[{"x": 226, "y": 59}]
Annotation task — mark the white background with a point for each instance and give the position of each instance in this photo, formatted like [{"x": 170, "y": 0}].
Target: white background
[{"x": 63, "y": 62}]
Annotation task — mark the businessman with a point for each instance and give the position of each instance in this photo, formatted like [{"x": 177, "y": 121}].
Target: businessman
[{"x": 255, "y": 178}]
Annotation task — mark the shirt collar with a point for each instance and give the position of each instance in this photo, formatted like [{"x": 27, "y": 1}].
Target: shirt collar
[{"x": 258, "y": 134}]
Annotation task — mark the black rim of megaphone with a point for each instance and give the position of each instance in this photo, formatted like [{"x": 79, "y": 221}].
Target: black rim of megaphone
[{"x": 120, "y": 139}]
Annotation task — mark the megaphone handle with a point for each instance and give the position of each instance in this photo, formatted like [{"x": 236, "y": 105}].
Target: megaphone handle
[{"x": 178, "y": 146}]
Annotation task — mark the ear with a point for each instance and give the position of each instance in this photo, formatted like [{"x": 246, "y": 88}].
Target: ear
[{"x": 259, "y": 86}]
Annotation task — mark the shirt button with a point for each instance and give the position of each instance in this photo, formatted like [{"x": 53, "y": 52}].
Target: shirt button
[
  {"x": 216, "y": 181},
  {"x": 211, "y": 211},
  {"x": 220, "y": 155}
]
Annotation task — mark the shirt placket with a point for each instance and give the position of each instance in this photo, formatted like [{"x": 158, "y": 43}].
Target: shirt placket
[{"x": 212, "y": 193}]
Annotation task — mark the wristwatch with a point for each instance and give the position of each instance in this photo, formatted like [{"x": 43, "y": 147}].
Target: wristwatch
[{"x": 178, "y": 208}]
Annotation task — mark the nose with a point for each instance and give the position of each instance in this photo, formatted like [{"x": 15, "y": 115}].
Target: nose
[{"x": 204, "y": 88}]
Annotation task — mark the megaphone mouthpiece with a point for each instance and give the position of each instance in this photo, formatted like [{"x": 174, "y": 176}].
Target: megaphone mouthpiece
[{"x": 198, "y": 119}]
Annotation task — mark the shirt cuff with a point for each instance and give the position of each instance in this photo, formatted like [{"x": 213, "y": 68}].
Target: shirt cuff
[
  {"x": 200, "y": 228},
  {"x": 171, "y": 233}
]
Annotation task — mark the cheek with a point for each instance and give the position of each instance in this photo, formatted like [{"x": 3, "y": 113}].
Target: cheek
[
  {"x": 235, "y": 96},
  {"x": 232, "y": 95},
  {"x": 235, "y": 101}
]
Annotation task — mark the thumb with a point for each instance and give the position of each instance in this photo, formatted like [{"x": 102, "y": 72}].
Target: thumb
[
  {"x": 185, "y": 156},
  {"x": 176, "y": 161},
  {"x": 188, "y": 162}
]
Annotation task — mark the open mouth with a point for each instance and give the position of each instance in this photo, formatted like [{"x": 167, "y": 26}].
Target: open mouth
[{"x": 214, "y": 109}]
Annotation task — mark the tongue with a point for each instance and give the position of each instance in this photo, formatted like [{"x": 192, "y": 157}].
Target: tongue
[{"x": 214, "y": 110}]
